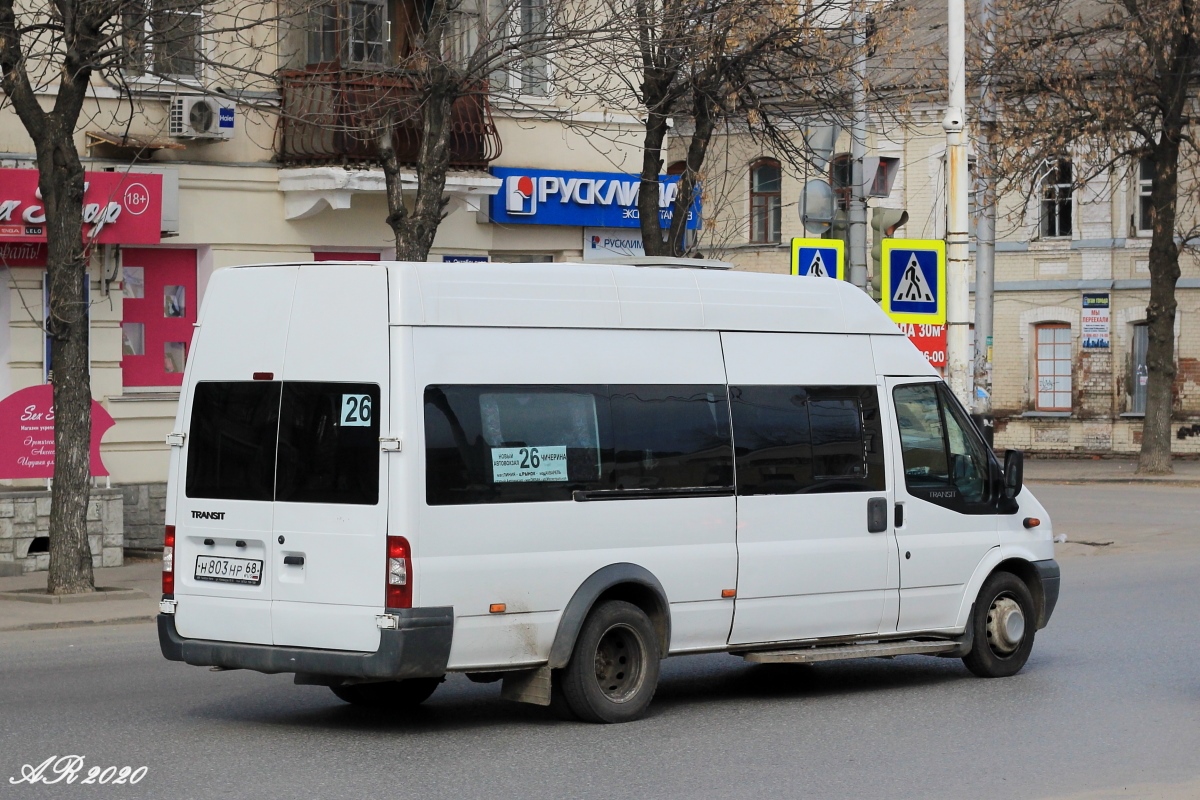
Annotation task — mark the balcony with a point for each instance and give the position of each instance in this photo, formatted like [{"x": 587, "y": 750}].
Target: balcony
[{"x": 329, "y": 114}]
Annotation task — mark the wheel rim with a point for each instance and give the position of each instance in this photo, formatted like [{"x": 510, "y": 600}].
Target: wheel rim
[
  {"x": 619, "y": 657},
  {"x": 1005, "y": 625}
]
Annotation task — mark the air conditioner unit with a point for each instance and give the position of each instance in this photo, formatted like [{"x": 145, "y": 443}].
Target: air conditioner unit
[{"x": 200, "y": 117}]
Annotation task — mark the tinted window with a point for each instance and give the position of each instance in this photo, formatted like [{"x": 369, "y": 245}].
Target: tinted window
[
  {"x": 512, "y": 444},
  {"x": 820, "y": 439},
  {"x": 772, "y": 435},
  {"x": 231, "y": 441},
  {"x": 329, "y": 443},
  {"x": 670, "y": 437},
  {"x": 526, "y": 443}
]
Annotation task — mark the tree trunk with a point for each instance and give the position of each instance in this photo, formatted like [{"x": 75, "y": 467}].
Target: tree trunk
[
  {"x": 61, "y": 179},
  {"x": 705, "y": 122},
  {"x": 1155, "y": 455},
  {"x": 648, "y": 191},
  {"x": 415, "y": 227}
]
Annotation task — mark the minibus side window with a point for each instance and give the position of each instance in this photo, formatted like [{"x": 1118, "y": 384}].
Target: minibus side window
[
  {"x": 231, "y": 440},
  {"x": 792, "y": 439},
  {"x": 328, "y": 443},
  {"x": 944, "y": 461},
  {"x": 670, "y": 437},
  {"x": 513, "y": 444}
]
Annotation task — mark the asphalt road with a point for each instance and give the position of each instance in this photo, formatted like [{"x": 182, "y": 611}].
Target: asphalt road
[{"x": 1108, "y": 706}]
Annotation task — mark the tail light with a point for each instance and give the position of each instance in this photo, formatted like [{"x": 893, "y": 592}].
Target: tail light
[
  {"x": 399, "y": 573},
  {"x": 168, "y": 575}
]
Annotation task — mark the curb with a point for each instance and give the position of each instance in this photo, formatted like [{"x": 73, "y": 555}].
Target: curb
[
  {"x": 1183, "y": 482},
  {"x": 79, "y": 623}
]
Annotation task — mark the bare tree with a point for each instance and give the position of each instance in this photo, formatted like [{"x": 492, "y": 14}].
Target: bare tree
[
  {"x": 52, "y": 54},
  {"x": 720, "y": 67},
  {"x": 1112, "y": 83}
]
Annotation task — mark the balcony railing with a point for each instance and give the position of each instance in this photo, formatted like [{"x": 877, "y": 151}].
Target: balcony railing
[{"x": 332, "y": 116}]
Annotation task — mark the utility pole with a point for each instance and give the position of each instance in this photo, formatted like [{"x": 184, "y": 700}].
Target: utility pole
[
  {"x": 985, "y": 238},
  {"x": 957, "y": 251},
  {"x": 858, "y": 150}
]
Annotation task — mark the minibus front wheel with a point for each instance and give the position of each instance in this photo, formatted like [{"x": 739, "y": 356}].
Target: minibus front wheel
[
  {"x": 1004, "y": 621},
  {"x": 614, "y": 667}
]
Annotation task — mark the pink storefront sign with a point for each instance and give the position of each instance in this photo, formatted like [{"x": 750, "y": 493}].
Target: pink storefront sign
[
  {"x": 27, "y": 434},
  {"x": 118, "y": 207}
]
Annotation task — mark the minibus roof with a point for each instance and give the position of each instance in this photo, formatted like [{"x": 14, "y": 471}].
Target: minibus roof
[{"x": 568, "y": 295}]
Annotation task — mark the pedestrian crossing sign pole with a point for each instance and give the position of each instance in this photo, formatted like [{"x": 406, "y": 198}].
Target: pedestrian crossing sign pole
[
  {"x": 819, "y": 258},
  {"x": 913, "y": 280}
]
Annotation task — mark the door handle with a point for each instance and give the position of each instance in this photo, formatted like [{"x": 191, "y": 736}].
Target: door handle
[
  {"x": 877, "y": 521},
  {"x": 294, "y": 561},
  {"x": 899, "y": 515}
]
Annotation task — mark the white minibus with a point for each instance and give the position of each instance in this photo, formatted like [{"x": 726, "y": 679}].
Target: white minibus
[{"x": 555, "y": 475}]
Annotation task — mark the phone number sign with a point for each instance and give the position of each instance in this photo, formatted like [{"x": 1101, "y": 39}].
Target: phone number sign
[{"x": 929, "y": 339}]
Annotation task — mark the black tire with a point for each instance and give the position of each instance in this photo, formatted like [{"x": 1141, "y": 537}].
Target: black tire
[
  {"x": 1002, "y": 642},
  {"x": 613, "y": 670},
  {"x": 558, "y": 698},
  {"x": 388, "y": 695}
]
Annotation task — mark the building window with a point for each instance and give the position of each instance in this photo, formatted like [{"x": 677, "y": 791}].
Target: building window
[
  {"x": 164, "y": 38},
  {"x": 841, "y": 179},
  {"x": 525, "y": 32},
  {"x": 1053, "y": 367},
  {"x": 1145, "y": 184},
  {"x": 355, "y": 32},
  {"x": 1057, "y": 190},
  {"x": 1138, "y": 371},
  {"x": 765, "y": 201}
]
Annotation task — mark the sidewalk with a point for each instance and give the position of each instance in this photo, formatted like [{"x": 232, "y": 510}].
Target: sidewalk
[
  {"x": 1105, "y": 470},
  {"x": 145, "y": 576}
]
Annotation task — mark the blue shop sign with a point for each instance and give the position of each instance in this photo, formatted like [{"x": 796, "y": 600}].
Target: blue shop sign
[{"x": 584, "y": 199}]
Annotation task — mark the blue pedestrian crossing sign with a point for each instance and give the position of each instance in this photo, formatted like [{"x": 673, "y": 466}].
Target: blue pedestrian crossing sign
[
  {"x": 913, "y": 273},
  {"x": 819, "y": 258}
]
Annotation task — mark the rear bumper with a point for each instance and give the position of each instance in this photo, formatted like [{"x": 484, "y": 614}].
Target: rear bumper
[
  {"x": 418, "y": 648},
  {"x": 1050, "y": 576}
]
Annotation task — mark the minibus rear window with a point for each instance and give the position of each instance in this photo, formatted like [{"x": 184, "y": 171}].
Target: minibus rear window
[
  {"x": 231, "y": 441},
  {"x": 328, "y": 443}
]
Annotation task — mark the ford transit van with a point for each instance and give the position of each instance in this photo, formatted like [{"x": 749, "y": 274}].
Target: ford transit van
[{"x": 555, "y": 475}]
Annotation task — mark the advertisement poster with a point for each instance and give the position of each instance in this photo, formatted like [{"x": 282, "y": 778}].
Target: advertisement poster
[
  {"x": 1095, "y": 322},
  {"x": 930, "y": 340},
  {"x": 27, "y": 434},
  {"x": 118, "y": 208}
]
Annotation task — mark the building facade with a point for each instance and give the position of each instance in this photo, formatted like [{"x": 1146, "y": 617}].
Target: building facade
[{"x": 1072, "y": 280}]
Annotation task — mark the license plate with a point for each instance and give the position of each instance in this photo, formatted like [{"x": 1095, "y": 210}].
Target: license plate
[{"x": 229, "y": 570}]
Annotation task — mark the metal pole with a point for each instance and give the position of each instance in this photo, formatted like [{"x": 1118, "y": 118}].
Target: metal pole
[
  {"x": 985, "y": 239},
  {"x": 957, "y": 251},
  {"x": 858, "y": 149}
]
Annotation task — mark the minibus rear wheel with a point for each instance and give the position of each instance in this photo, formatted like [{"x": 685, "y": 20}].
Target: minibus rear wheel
[
  {"x": 389, "y": 695},
  {"x": 613, "y": 670},
  {"x": 1004, "y": 622}
]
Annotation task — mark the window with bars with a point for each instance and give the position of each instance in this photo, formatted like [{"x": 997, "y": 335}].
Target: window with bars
[
  {"x": 355, "y": 31},
  {"x": 1057, "y": 199},
  {"x": 766, "y": 183},
  {"x": 1053, "y": 367}
]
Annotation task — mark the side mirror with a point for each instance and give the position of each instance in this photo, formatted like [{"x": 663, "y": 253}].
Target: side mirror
[{"x": 1014, "y": 472}]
